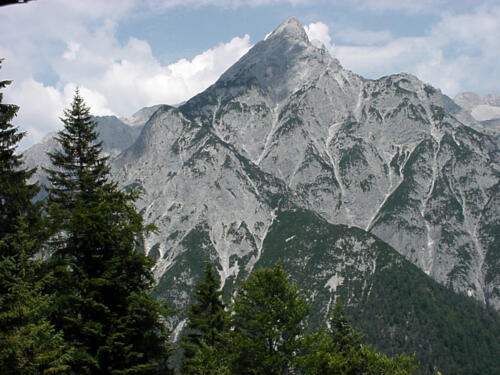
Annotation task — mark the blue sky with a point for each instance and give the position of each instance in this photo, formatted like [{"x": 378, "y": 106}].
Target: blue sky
[{"x": 127, "y": 54}]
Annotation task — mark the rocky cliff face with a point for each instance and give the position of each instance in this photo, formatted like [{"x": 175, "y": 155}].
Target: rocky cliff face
[{"x": 287, "y": 122}]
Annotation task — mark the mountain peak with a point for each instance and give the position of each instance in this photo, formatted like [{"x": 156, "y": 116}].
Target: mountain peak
[
  {"x": 291, "y": 29},
  {"x": 282, "y": 63}
]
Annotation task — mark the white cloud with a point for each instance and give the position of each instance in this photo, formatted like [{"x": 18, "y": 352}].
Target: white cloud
[
  {"x": 120, "y": 87},
  {"x": 114, "y": 78},
  {"x": 411, "y": 6},
  {"x": 70, "y": 53},
  {"x": 39, "y": 108},
  {"x": 138, "y": 80},
  {"x": 318, "y": 32}
]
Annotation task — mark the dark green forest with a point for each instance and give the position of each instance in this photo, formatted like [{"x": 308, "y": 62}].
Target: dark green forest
[{"x": 76, "y": 297}]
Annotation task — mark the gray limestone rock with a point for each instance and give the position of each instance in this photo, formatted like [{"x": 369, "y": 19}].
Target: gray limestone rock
[{"x": 287, "y": 126}]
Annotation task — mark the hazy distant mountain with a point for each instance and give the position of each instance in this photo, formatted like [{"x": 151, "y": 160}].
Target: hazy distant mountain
[
  {"x": 140, "y": 117},
  {"x": 484, "y": 110}
]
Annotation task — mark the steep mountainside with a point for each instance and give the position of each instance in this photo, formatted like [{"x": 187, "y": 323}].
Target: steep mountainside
[
  {"x": 383, "y": 155},
  {"x": 397, "y": 306}
]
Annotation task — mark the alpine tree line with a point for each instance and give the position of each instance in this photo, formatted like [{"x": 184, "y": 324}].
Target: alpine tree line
[{"x": 75, "y": 295}]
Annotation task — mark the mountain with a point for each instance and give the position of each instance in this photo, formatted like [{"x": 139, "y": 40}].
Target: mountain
[
  {"x": 483, "y": 111},
  {"x": 116, "y": 135},
  {"x": 287, "y": 128},
  {"x": 383, "y": 155},
  {"x": 372, "y": 191},
  {"x": 139, "y": 118}
]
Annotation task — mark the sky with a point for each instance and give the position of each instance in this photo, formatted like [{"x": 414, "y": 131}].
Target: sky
[{"x": 128, "y": 54}]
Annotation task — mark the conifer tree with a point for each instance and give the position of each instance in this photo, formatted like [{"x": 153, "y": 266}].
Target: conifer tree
[
  {"x": 336, "y": 349},
  {"x": 28, "y": 342},
  {"x": 103, "y": 303},
  {"x": 207, "y": 328},
  {"x": 341, "y": 331},
  {"x": 268, "y": 323},
  {"x": 16, "y": 193}
]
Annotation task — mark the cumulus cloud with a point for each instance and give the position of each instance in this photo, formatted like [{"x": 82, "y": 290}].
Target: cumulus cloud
[
  {"x": 378, "y": 6},
  {"x": 319, "y": 35},
  {"x": 411, "y": 6},
  {"x": 113, "y": 77},
  {"x": 40, "y": 107},
  {"x": 70, "y": 53},
  {"x": 118, "y": 86}
]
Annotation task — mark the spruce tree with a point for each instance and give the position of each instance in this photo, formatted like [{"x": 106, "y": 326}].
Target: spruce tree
[
  {"x": 103, "y": 303},
  {"x": 268, "y": 320},
  {"x": 336, "y": 349},
  {"x": 16, "y": 193},
  {"x": 207, "y": 328},
  {"x": 342, "y": 334},
  {"x": 28, "y": 342}
]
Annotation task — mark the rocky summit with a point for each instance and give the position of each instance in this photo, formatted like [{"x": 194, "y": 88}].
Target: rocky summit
[{"x": 291, "y": 157}]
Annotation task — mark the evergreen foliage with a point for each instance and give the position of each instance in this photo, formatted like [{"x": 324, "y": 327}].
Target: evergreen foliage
[
  {"x": 268, "y": 321},
  {"x": 80, "y": 171},
  {"x": 398, "y": 307},
  {"x": 16, "y": 193},
  {"x": 336, "y": 349},
  {"x": 102, "y": 284},
  {"x": 450, "y": 332},
  {"x": 28, "y": 342},
  {"x": 209, "y": 360},
  {"x": 268, "y": 335},
  {"x": 207, "y": 328}
]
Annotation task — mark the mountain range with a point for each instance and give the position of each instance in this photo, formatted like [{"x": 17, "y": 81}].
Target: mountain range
[{"x": 384, "y": 193}]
